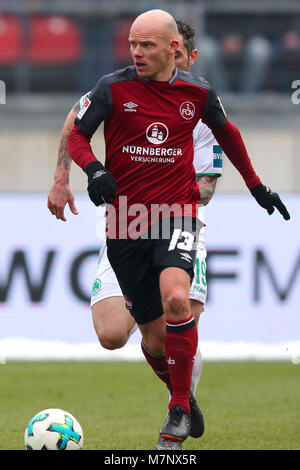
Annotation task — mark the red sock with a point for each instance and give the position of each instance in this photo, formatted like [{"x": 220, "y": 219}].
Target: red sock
[
  {"x": 181, "y": 345},
  {"x": 159, "y": 366}
]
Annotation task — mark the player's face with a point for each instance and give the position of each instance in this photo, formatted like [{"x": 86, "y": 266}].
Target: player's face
[
  {"x": 182, "y": 60},
  {"x": 153, "y": 55}
]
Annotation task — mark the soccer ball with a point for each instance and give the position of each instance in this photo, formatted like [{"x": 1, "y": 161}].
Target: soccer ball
[{"x": 53, "y": 429}]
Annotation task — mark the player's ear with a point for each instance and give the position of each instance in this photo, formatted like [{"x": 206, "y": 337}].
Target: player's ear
[
  {"x": 193, "y": 57},
  {"x": 174, "y": 43}
]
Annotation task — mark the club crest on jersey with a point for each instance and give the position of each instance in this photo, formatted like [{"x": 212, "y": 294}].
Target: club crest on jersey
[
  {"x": 157, "y": 133},
  {"x": 187, "y": 110},
  {"x": 96, "y": 286}
]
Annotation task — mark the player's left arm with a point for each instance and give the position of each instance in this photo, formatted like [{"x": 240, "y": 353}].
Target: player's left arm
[
  {"x": 102, "y": 186},
  {"x": 231, "y": 142}
]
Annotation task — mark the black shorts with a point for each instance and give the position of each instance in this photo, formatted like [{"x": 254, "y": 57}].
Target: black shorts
[{"x": 138, "y": 263}]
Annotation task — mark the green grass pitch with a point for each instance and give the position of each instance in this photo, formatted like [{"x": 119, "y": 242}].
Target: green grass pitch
[{"x": 122, "y": 405}]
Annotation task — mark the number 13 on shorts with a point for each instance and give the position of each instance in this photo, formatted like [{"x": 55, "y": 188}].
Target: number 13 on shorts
[{"x": 186, "y": 244}]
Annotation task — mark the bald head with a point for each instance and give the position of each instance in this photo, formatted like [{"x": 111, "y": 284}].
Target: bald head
[
  {"x": 156, "y": 22},
  {"x": 153, "y": 41}
]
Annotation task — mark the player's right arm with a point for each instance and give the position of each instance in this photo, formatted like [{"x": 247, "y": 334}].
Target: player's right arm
[
  {"x": 60, "y": 193},
  {"x": 102, "y": 187}
]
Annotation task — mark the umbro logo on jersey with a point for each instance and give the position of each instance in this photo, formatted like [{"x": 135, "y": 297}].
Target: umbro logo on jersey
[
  {"x": 130, "y": 106},
  {"x": 186, "y": 257}
]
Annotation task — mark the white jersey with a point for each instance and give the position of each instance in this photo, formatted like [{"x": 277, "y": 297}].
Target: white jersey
[
  {"x": 207, "y": 152},
  {"x": 208, "y": 156}
]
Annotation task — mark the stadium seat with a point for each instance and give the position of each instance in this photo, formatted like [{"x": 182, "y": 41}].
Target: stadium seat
[
  {"x": 10, "y": 40},
  {"x": 54, "y": 40},
  {"x": 122, "y": 54}
]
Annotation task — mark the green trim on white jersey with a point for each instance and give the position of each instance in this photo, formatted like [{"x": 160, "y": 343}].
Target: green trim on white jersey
[{"x": 209, "y": 174}]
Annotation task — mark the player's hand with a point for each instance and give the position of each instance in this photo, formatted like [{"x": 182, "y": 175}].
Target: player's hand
[
  {"x": 102, "y": 186},
  {"x": 59, "y": 196},
  {"x": 269, "y": 200}
]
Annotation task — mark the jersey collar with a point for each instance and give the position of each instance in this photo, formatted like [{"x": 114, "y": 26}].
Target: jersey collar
[
  {"x": 174, "y": 77},
  {"x": 170, "y": 82}
]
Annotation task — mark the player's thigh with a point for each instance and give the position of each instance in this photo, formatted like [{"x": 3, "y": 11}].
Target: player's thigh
[
  {"x": 174, "y": 287},
  {"x": 112, "y": 322},
  {"x": 175, "y": 257},
  {"x": 132, "y": 260},
  {"x": 111, "y": 319}
]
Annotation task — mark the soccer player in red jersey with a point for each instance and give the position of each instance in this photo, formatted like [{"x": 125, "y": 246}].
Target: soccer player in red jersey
[
  {"x": 113, "y": 322},
  {"x": 168, "y": 104}
]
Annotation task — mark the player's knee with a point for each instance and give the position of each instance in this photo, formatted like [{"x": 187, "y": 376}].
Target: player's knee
[
  {"x": 176, "y": 302},
  {"x": 111, "y": 341}
]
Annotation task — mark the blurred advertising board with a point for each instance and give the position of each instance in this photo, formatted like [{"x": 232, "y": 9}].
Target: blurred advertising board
[{"x": 47, "y": 268}]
